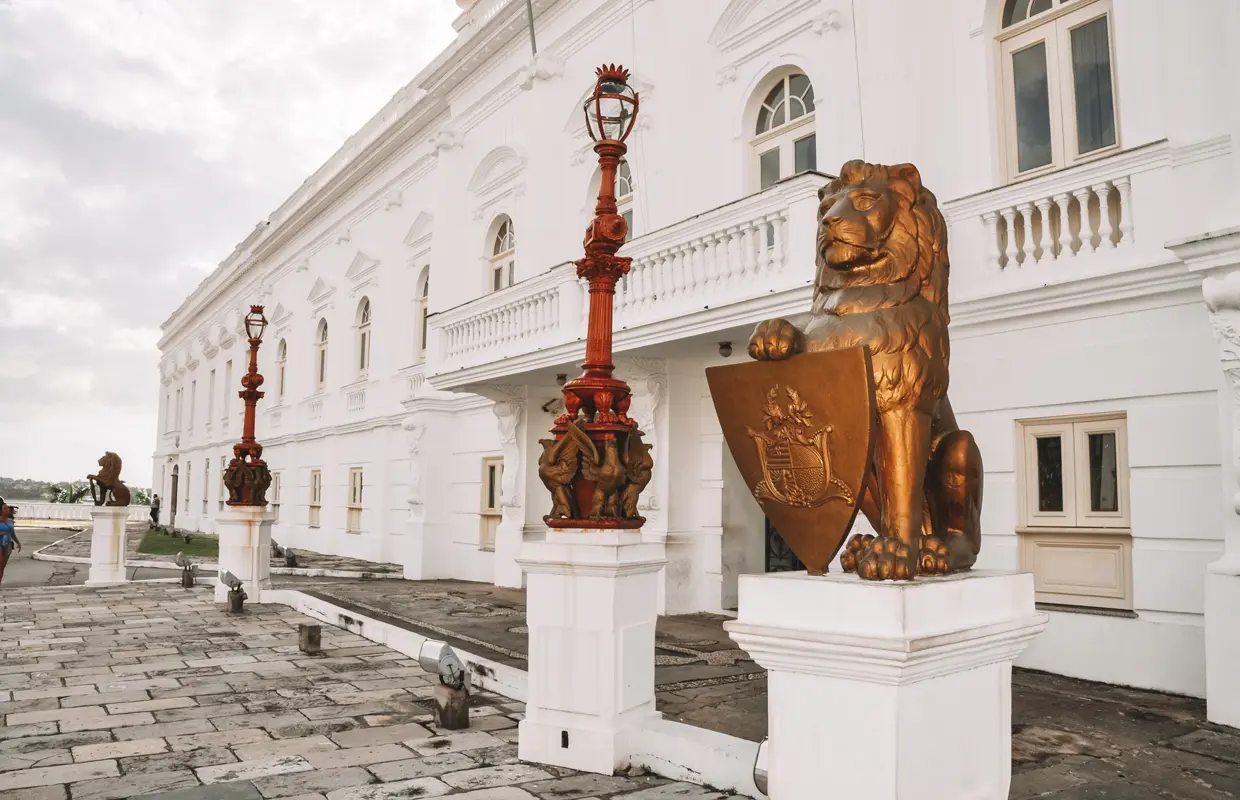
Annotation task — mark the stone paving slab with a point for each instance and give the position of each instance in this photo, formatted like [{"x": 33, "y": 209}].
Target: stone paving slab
[
  {"x": 1071, "y": 739},
  {"x": 76, "y": 545},
  {"x": 358, "y": 726}
]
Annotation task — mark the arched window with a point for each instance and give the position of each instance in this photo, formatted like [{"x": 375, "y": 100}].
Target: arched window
[
  {"x": 424, "y": 300},
  {"x": 785, "y": 142},
  {"x": 320, "y": 356},
  {"x": 281, "y": 369},
  {"x": 503, "y": 255},
  {"x": 1058, "y": 87},
  {"x": 363, "y": 338},
  {"x": 625, "y": 189}
]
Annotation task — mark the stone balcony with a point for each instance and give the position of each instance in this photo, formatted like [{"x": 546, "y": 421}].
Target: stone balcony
[
  {"x": 731, "y": 266},
  {"x": 1102, "y": 218}
]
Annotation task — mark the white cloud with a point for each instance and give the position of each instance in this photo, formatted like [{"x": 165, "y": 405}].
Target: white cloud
[{"x": 140, "y": 141}]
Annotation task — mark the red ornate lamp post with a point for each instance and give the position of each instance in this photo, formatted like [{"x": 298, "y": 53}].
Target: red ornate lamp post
[
  {"x": 597, "y": 465},
  {"x": 247, "y": 476}
]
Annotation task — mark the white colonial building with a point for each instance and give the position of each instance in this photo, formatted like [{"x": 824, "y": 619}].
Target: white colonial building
[{"x": 422, "y": 300}]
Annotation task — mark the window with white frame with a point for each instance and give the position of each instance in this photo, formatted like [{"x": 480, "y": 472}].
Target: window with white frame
[
  {"x": 363, "y": 338},
  {"x": 316, "y": 496},
  {"x": 281, "y": 369},
  {"x": 210, "y": 397},
  {"x": 275, "y": 497},
  {"x": 625, "y": 189},
  {"x": 180, "y": 406},
  {"x": 320, "y": 356},
  {"x": 188, "y": 472},
  {"x": 206, "y": 481},
  {"x": 193, "y": 402},
  {"x": 424, "y": 301},
  {"x": 355, "y": 500},
  {"x": 221, "y": 491},
  {"x": 227, "y": 389},
  {"x": 168, "y": 412},
  {"x": 503, "y": 255},
  {"x": 1073, "y": 509},
  {"x": 492, "y": 499},
  {"x": 1057, "y": 83},
  {"x": 785, "y": 142}
]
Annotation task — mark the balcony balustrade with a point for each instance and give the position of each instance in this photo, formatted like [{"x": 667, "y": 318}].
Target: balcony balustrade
[
  {"x": 757, "y": 246},
  {"x": 355, "y": 399},
  {"x": 1067, "y": 224}
]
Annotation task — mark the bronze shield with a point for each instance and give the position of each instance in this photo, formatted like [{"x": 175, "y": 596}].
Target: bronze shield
[{"x": 802, "y": 433}]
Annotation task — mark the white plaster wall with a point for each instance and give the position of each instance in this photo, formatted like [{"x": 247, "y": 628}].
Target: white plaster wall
[{"x": 905, "y": 80}]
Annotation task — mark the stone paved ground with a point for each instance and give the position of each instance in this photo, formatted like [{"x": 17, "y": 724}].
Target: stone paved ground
[
  {"x": 77, "y": 545},
  {"x": 151, "y": 690},
  {"x": 1072, "y": 740}
]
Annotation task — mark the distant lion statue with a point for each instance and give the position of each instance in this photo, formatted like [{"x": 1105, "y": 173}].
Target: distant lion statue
[{"x": 107, "y": 488}]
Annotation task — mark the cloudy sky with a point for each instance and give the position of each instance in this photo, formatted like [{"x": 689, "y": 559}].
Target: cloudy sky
[{"x": 140, "y": 140}]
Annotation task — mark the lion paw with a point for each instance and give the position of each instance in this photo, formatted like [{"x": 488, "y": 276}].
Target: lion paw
[
  {"x": 775, "y": 340},
  {"x": 887, "y": 559},
  {"x": 934, "y": 558},
  {"x": 853, "y": 550}
]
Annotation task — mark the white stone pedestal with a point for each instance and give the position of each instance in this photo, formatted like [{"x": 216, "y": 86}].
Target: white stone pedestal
[
  {"x": 888, "y": 690},
  {"x": 107, "y": 545},
  {"x": 245, "y": 549},
  {"x": 591, "y": 606}
]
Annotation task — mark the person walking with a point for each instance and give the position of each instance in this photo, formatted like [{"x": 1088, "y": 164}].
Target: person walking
[
  {"x": 155, "y": 511},
  {"x": 8, "y": 536}
]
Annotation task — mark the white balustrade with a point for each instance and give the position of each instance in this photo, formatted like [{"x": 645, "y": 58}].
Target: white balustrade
[
  {"x": 526, "y": 311},
  {"x": 725, "y": 256},
  {"x": 71, "y": 512},
  {"x": 314, "y": 408},
  {"x": 414, "y": 383},
  {"x": 355, "y": 399},
  {"x": 1061, "y": 224}
]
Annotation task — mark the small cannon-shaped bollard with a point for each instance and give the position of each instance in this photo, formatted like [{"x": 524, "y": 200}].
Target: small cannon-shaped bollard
[
  {"x": 188, "y": 570},
  {"x": 236, "y": 594},
  {"x": 452, "y": 694},
  {"x": 290, "y": 557}
]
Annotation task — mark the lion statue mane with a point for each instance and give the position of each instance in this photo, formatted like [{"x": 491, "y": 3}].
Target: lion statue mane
[{"x": 882, "y": 274}]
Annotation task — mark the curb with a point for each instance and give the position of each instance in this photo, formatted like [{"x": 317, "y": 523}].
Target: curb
[{"x": 303, "y": 572}]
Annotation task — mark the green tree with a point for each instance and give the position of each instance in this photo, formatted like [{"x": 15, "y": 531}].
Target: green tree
[
  {"x": 139, "y": 497},
  {"x": 67, "y": 492}
]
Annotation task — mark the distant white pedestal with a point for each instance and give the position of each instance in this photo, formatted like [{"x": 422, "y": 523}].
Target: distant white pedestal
[
  {"x": 245, "y": 549},
  {"x": 1222, "y": 607},
  {"x": 591, "y": 606},
  {"x": 879, "y": 691},
  {"x": 107, "y": 545}
]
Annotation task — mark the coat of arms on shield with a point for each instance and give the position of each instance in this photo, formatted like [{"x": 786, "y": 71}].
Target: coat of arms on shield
[{"x": 801, "y": 432}]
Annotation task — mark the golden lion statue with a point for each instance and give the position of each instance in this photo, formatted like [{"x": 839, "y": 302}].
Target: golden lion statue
[
  {"x": 882, "y": 282},
  {"x": 112, "y": 490}
]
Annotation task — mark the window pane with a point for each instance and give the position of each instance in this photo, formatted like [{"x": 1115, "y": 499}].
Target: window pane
[
  {"x": 1103, "y": 472},
  {"x": 628, "y": 219},
  {"x": 1091, "y": 77},
  {"x": 491, "y": 486},
  {"x": 1021, "y": 10},
  {"x": 497, "y": 278},
  {"x": 768, "y": 168},
  {"x": 1050, "y": 473},
  {"x": 806, "y": 153},
  {"x": 1033, "y": 107}
]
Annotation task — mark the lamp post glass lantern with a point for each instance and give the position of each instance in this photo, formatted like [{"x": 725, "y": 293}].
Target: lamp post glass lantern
[
  {"x": 597, "y": 465},
  {"x": 247, "y": 476}
]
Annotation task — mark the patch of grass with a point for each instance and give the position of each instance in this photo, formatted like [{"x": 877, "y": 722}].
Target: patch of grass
[{"x": 155, "y": 543}]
